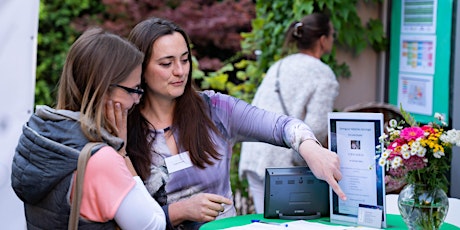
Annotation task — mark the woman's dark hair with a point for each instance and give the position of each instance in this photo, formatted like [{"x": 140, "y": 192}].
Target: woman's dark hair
[
  {"x": 190, "y": 114},
  {"x": 306, "y": 32}
]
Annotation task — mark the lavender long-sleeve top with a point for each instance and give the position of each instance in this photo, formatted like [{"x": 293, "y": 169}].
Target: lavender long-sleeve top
[{"x": 237, "y": 121}]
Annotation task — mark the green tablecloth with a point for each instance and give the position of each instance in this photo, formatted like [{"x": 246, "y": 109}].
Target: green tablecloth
[{"x": 393, "y": 222}]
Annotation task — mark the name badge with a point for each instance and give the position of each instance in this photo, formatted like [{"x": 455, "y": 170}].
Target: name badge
[{"x": 178, "y": 162}]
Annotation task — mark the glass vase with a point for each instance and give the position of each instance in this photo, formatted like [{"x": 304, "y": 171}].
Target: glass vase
[{"x": 422, "y": 207}]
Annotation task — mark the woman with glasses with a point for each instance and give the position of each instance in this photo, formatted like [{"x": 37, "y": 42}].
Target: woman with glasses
[
  {"x": 100, "y": 83},
  {"x": 135, "y": 91},
  {"x": 298, "y": 85},
  {"x": 181, "y": 140}
]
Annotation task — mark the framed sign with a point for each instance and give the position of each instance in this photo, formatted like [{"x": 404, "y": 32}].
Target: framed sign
[{"x": 355, "y": 138}]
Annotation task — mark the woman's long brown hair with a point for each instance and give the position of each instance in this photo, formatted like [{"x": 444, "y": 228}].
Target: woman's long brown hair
[
  {"x": 95, "y": 60},
  {"x": 191, "y": 117}
]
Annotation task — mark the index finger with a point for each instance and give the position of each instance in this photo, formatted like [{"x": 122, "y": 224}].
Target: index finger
[
  {"x": 219, "y": 199},
  {"x": 336, "y": 188}
]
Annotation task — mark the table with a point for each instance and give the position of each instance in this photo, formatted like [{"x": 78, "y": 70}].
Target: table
[{"x": 393, "y": 222}]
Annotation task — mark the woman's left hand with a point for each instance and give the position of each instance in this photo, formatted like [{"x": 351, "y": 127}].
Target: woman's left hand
[{"x": 119, "y": 119}]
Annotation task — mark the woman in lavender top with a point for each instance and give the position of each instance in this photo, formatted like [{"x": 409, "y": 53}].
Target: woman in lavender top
[{"x": 181, "y": 140}]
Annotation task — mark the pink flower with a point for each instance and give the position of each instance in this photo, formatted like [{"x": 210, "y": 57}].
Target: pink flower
[
  {"x": 396, "y": 143},
  {"x": 398, "y": 172},
  {"x": 428, "y": 129},
  {"x": 415, "y": 163},
  {"x": 412, "y": 133}
]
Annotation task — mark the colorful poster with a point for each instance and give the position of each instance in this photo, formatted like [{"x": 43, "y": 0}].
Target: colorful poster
[
  {"x": 416, "y": 93},
  {"x": 421, "y": 46},
  {"x": 418, "y": 16},
  {"x": 417, "y": 54}
]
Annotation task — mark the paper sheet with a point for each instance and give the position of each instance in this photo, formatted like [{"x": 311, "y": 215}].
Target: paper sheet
[{"x": 295, "y": 225}]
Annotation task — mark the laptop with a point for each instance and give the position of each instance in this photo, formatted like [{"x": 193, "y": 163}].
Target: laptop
[{"x": 295, "y": 193}]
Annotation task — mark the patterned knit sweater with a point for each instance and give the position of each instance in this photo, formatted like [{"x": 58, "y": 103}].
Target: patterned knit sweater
[{"x": 308, "y": 88}]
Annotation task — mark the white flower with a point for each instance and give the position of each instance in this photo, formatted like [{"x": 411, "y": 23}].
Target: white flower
[
  {"x": 421, "y": 149},
  {"x": 421, "y": 152},
  {"x": 405, "y": 147},
  {"x": 386, "y": 153},
  {"x": 396, "y": 162},
  {"x": 393, "y": 123},
  {"x": 389, "y": 129},
  {"x": 383, "y": 137},
  {"x": 414, "y": 151},
  {"x": 438, "y": 154},
  {"x": 406, "y": 154},
  {"x": 439, "y": 116},
  {"x": 415, "y": 144},
  {"x": 382, "y": 161},
  {"x": 451, "y": 136},
  {"x": 444, "y": 137}
]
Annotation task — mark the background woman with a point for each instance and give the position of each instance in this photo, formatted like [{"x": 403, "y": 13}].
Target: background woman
[{"x": 298, "y": 85}]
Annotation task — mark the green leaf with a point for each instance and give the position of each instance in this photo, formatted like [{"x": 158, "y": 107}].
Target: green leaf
[
  {"x": 407, "y": 117},
  {"x": 218, "y": 81}
]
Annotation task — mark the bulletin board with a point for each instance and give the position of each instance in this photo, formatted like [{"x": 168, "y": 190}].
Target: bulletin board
[{"x": 420, "y": 50}]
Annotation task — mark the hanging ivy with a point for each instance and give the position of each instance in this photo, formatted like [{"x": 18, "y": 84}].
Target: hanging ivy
[
  {"x": 56, "y": 33},
  {"x": 262, "y": 46}
]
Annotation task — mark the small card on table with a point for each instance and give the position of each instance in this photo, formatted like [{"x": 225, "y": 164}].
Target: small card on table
[{"x": 370, "y": 216}]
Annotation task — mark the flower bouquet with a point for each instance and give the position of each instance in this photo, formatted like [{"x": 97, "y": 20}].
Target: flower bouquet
[{"x": 420, "y": 155}]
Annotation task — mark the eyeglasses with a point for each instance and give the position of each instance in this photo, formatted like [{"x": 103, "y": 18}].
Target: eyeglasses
[{"x": 138, "y": 91}]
